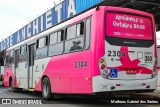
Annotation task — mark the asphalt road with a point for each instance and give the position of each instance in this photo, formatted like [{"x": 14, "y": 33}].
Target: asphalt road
[{"x": 73, "y": 101}]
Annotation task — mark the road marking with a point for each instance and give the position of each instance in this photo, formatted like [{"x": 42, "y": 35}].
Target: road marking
[{"x": 3, "y": 89}]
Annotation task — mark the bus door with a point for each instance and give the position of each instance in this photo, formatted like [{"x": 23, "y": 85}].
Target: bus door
[{"x": 31, "y": 63}]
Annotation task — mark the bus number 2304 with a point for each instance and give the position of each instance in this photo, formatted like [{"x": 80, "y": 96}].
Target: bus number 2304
[{"x": 80, "y": 64}]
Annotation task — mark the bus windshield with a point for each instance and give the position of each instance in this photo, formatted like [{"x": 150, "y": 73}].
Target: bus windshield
[{"x": 130, "y": 26}]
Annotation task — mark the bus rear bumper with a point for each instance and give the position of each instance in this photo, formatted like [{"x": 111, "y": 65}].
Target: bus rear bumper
[{"x": 103, "y": 85}]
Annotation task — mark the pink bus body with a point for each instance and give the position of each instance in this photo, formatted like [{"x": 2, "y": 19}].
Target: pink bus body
[{"x": 121, "y": 55}]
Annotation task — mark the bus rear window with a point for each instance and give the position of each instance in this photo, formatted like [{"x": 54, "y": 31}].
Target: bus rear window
[{"x": 128, "y": 26}]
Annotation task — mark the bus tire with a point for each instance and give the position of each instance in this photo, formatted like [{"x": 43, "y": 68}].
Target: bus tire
[{"x": 46, "y": 89}]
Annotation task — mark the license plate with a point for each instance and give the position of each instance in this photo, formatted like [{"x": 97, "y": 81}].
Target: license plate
[
  {"x": 148, "y": 57},
  {"x": 131, "y": 72}
]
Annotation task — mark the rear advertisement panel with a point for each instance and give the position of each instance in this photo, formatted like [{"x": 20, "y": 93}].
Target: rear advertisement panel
[{"x": 128, "y": 26}]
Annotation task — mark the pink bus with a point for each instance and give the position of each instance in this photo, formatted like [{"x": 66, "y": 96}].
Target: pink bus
[{"x": 105, "y": 49}]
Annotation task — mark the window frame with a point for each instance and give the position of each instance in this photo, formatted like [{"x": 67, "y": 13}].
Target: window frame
[
  {"x": 25, "y": 50},
  {"x": 62, "y": 35},
  {"x": 23, "y": 53},
  {"x": 75, "y": 24},
  {"x": 17, "y": 58},
  {"x": 35, "y": 56},
  {"x": 50, "y": 38},
  {"x": 57, "y": 42},
  {"x": 89, "y": 41},
  {"x": 46, "y": 43},
  {"x": 76, "y": 36},
  {"x": 64, "y": 29},
  {"x": 84, "y": 23}
]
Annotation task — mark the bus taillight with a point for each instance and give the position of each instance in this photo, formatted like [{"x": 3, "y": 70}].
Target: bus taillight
[
  {"x": 155, "y": 71},
  {"x": 101, "y": 60},
  {"x": 155, "y": 67},
  {"x": 102, "y": 67}
]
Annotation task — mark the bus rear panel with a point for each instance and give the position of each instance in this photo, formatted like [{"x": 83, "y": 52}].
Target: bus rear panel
[{"x": 129, "y": 60}]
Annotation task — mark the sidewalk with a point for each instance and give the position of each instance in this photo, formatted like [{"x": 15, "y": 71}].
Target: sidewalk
[{"x": 158, "y": 86}]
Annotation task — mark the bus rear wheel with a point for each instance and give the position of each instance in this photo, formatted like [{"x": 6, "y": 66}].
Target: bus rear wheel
[{"x": 46, "y": 89}]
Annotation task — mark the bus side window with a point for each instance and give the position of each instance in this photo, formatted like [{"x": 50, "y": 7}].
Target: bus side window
[
  {"x": 42, "y": 48},
  {"x": 23, "y": 55},
  {"x": 53, "y": 38},
  {"x": 88, "y": 32},
  {"x": 76, "y": 43},
  {"x": 60, "y": 36},
  {"x": 71, "y": 32},
  {"x": 80, "y": 29},
  {"x": 16, "y": 58},
  {"x": 56, "y": 48},
  {"x": 46, "y": 41},
  {"x": 6, "y": 61},
  {"x": 41, "y": 43},
  {"x": 12, "y": 57}
]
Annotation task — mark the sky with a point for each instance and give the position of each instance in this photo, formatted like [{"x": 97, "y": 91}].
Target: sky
[{"x": 15, "y": 14}]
